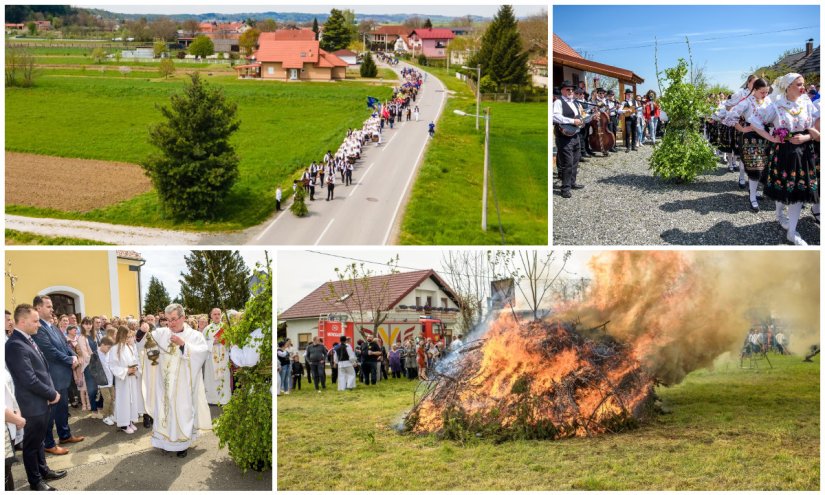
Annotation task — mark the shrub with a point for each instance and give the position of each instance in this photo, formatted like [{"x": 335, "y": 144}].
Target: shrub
[
  {"x": 196, "y": 166},
  {"x": 166, "y": 68},
  {"x": 422, "y": 60},
  {"x": 487, "y": 85},
  {"x": 181, "y": 54},
  {"x": 368, "y": 67}
]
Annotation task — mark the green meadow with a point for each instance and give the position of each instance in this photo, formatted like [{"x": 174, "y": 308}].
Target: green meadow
[
  {"x": 107, "y": 116},
  {"x": 445, "y": 205},
  {"x": 728, "y": 429}
]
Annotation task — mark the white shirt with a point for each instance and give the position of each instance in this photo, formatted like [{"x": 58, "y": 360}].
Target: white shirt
[{"x": 558, "y": 111}]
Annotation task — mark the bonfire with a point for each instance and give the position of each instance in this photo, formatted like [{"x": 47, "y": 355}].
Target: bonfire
[{"x": 537, "y": 379}]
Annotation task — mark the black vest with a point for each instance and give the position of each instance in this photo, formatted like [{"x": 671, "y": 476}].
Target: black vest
[{"x": 343, "y": 355}]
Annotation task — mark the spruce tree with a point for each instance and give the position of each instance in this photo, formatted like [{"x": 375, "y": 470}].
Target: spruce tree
[
  {"x": 368, "y": 67},
  {"x": 500, "y": 55},
  {"x": 196, "y": 166},
  {"x": 428, "y": 24},
  {"x": 337, "y": 34},
  {"x": 156, "y": 297},
  {"x": 315, "y": 27},
  {"x": 214, "y": 279}
]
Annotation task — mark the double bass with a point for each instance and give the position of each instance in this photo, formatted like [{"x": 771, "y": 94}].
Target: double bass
[{"x": 601, "y": 139}]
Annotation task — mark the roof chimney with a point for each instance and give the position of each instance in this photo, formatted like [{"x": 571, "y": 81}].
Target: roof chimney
[{"x": 809, "y": 47}]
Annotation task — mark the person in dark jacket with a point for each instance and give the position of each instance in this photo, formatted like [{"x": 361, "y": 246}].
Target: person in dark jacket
[
  {"x": 35, "y": 393},
  {"x": 297, "y": 372},
  {"x": 316, "y": 356}
]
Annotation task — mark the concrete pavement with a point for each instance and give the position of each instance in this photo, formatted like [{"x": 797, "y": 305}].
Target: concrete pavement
[{"x": 111, "y": 460}]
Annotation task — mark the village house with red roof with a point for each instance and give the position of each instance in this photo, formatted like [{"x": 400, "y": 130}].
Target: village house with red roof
[
  {"x": 432, "y": 42},
  {"x": 406, "y": 297},
  {"x": 292, "y": 55}
]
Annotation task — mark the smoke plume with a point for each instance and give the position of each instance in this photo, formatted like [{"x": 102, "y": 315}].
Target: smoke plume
[{"x": 681, "y": 310}]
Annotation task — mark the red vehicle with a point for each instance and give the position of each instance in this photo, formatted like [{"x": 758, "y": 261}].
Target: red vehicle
[{"x": 331, "y": 327}]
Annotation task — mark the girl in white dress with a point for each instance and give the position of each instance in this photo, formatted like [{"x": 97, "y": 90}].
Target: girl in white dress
[{"x": 123, "y": 361}]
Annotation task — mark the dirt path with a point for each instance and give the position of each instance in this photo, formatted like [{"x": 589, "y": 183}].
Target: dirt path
[{"x": 70, "y": 184}]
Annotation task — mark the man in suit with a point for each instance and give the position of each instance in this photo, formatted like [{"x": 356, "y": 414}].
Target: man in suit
[
  {"x": 61, "y": 360},
  {"x": 35, "y": 392}
]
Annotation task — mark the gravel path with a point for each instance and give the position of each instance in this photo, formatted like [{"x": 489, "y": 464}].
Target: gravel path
[{"x": 624, "y": 205}]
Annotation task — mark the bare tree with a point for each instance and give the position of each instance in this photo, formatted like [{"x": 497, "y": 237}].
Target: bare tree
[
  {"x": 163, "y": 28},
  {"x": 190, "y": 26},
  {"x": 361, "y": 294},
  {"x": 533, "y": 30},
  {"x": 534, "y": 273},
  {"x": 469, "y": 275}
]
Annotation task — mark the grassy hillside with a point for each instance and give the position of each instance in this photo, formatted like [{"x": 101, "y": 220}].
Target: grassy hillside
[
  {"x": 107, "y": 116},
  {"x": 730, "y": 429}
]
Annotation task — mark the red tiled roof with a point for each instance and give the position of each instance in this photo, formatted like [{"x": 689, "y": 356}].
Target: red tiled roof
[
  {"x": 590, "y": 66},
  {"x": 540, "y": 61},
  {"x": 330, "y": 60},
  {"x": 396, "y": 30},
  {"x": 559, "y": 46},
  {"x": 344, "y": 53},
  {"x": 292, "y": 54},
  {"x": 247, "y": 66},
  {"x": 288, "y": 35},
  {"x": 397, "y": 285},
  {"x": 433, "y": 33}
]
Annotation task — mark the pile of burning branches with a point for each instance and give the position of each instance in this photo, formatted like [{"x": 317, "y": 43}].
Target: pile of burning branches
[{"x": 535, "y": 380}]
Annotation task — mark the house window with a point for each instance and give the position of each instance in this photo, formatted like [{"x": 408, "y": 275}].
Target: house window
[
  {"x": 270, "y": 70},
  {"x": 444, "y": 302},
  {"x": 429, "y": 301},
  {"x": 293, "y": 74},
  {"x": 303, "y": 340},
  {"x": 63, "y": 304},
  {"x": 418, "y": 300}
]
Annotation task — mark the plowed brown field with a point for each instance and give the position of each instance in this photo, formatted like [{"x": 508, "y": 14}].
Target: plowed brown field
[{"x": 70, "y": 184}]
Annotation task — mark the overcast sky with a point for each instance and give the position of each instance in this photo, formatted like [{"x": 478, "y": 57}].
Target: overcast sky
[
  {"x": 300, "y": 272},
  {"x": 312, "y": 7},
  {"x": 167, "y": 266}
]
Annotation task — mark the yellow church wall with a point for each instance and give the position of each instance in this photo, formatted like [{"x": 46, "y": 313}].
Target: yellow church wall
[
  {"x": 83, "y": 273},
  {"x": 128, "y": 287}
]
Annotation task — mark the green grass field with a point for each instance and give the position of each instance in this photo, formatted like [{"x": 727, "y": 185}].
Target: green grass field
[
  {"x": 283, "y": 127},
  {"x": 16, "y": 237},
  {"x": 730, "y": 429},
  {"x": 446, "y": 200}
]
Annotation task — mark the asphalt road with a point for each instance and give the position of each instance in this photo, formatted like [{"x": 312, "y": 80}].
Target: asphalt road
[
  {"x": 368, "y": 211},
  {"x": 111, "y": 460}
]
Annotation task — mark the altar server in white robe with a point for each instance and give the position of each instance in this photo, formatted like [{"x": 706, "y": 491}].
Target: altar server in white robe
[
  {"x": 216, "y": 375},
  {"x": 179, "y": 410},
  {"x": 149, "y": 373},
  {"x": 123, "y": 362}
]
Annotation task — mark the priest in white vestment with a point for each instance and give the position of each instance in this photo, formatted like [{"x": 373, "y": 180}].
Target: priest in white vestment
[
  {"x": 179, "y": 407},
  {"x": 216, "y": 374}
]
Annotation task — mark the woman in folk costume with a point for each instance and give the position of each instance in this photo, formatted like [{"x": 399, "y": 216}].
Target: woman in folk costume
[
  {"x": 736, "y": 136},
  {"x": 754, "y": 147},
  {"x": 123, "y": 362},
  {"x": 723, "y": 145},
  {"x": 793, "y": 173},
  {"x": 180, "y": 409}
]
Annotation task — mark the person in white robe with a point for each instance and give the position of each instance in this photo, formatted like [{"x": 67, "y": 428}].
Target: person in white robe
[
  {"x": 149, "y": 373},
  {"x": 179, "y": 404},
  {"x": 123, "y": 362},
  {"x": 216, "y": 374}
]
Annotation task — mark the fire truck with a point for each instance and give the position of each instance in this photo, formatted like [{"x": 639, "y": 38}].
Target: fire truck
[{"x": 332, "y": 326}]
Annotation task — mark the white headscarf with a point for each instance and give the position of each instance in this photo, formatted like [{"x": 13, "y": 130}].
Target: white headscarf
[{"x": 781, "y": 84}]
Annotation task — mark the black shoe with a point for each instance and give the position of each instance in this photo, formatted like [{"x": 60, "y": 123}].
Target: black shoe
[
  {"x": 182, "y": 453},
  {"x": 634, "y": 148},
  {"x": 566, "y": 194},
  {"x": 43, "y": 487},
  {"x": 742, "y": 185},
  {"x": 577, "y": 186},
  {"x": 591, "y": 155},
  {"x": 627, "y": 150},
  {"x": 755, "y": 206},
  {"x": 55, "y": 475},
  {"x": 147, "y": 421},
  {"x": 582, "y": 160}
]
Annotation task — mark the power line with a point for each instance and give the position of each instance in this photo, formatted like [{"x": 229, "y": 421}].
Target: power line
[
  {"x": 705, "y": 39},
  {"x": 440, "y": 272}
]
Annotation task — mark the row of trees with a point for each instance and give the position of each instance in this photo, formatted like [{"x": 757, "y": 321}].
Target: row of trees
[{"x": 212, "y": 279}]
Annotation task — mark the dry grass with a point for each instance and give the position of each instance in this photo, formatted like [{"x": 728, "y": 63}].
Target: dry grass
[{"x": 70, "y": 184}]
